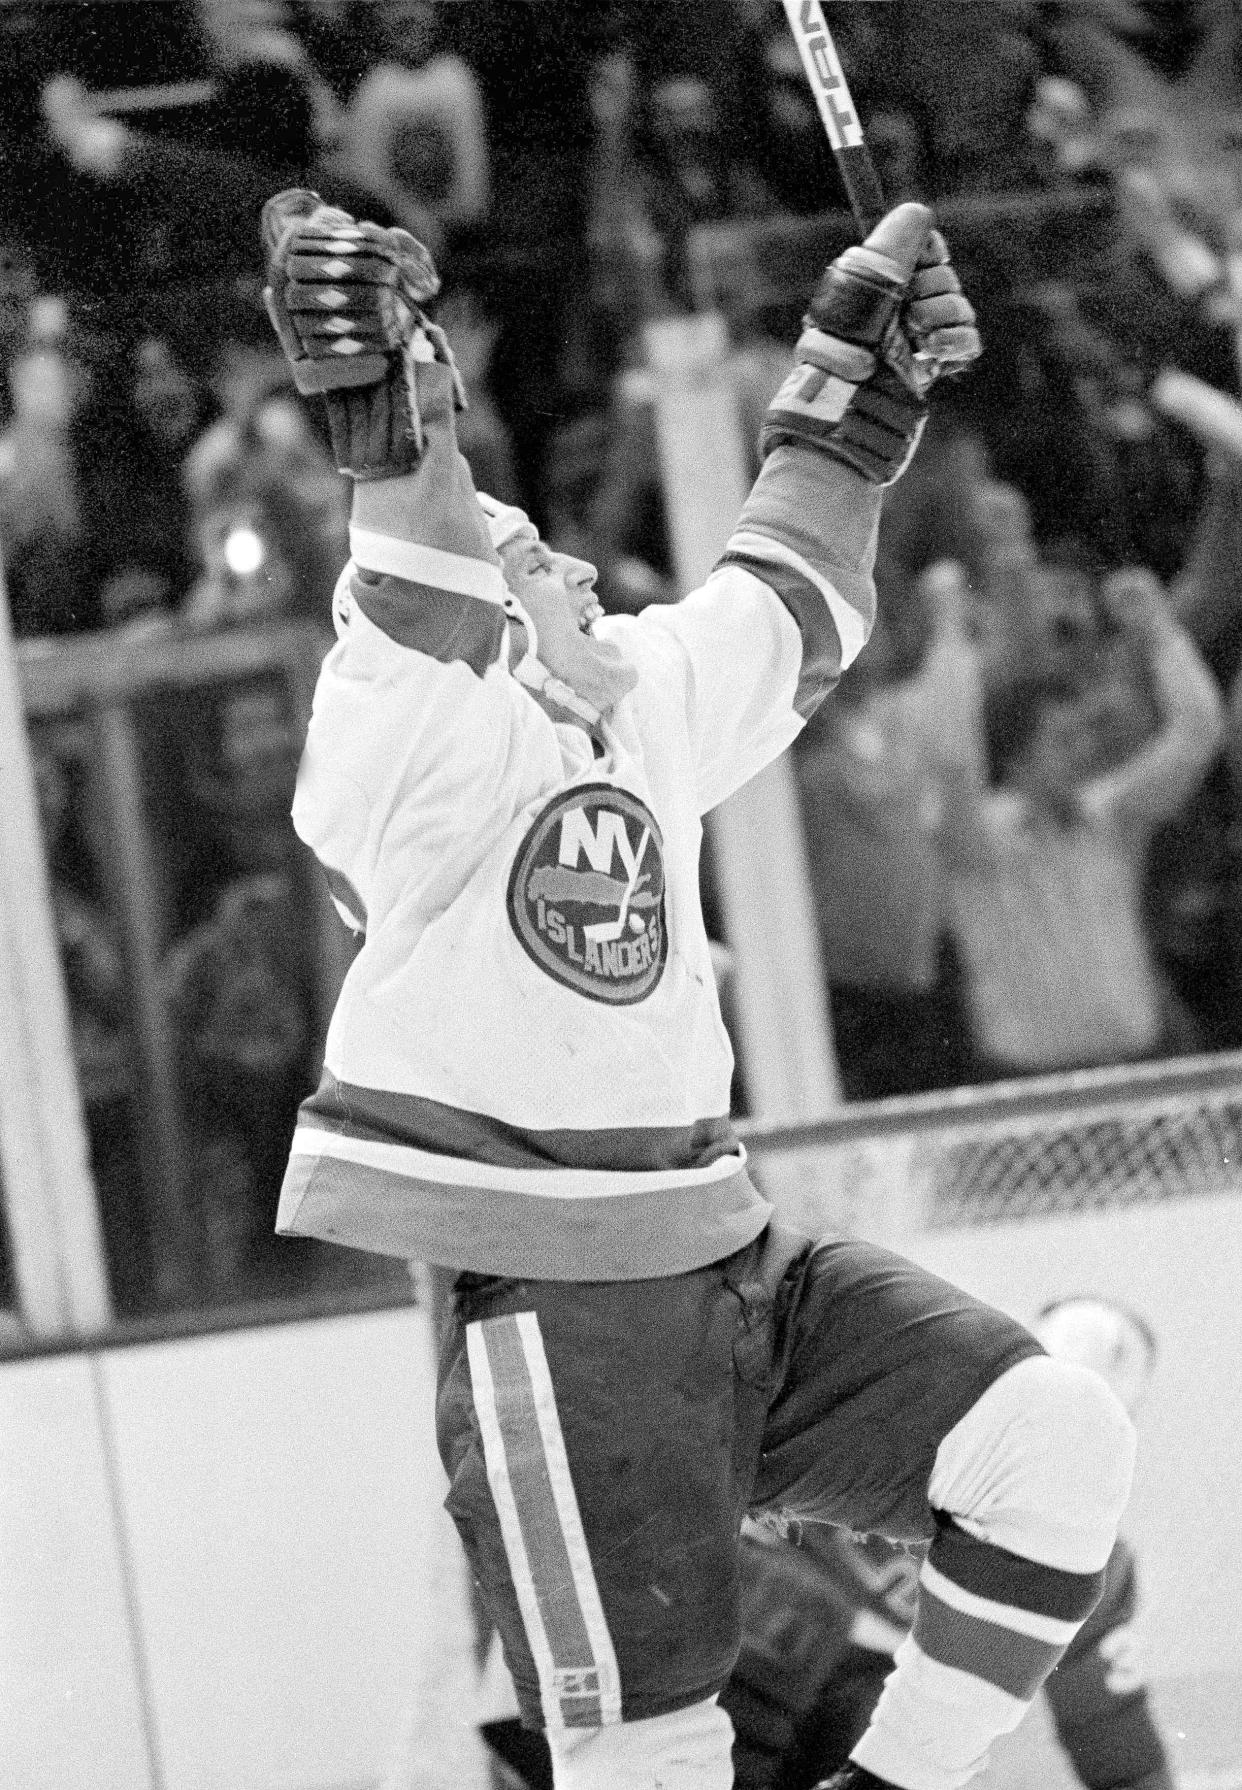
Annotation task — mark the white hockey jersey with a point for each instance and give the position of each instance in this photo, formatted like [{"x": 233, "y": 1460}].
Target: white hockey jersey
[{"x": 526, "y": 1072}]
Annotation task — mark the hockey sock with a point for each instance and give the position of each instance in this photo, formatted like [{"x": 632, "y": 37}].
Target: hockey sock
[
  {"x": 691, "y": 1749},
  {"x": 1028, "y": 1489}
]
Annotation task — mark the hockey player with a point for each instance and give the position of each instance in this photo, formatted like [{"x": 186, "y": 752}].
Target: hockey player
[{"x": 526, "y": 1077}]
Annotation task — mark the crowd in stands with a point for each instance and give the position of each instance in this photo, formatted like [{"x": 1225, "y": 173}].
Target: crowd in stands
[{"x": 1024, "y": 807}]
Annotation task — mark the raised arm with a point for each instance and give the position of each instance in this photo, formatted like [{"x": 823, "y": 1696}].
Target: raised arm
[
  {"x": 1207, "y": 592},
  {"x": 950, "y": 719},
  {"x": 415, "y": 752},
  {"x": 886, "y": 320},
  {"x": 1153, "y": 783},
  {"x": 792, "y": 600}
]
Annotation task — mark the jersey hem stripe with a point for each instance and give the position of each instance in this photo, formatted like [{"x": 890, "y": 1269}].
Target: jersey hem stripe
[
  {"x": 546, "y": 1181},
  {"x": 667, "y": 1225},
  {"x": 455, "y": 1135}
]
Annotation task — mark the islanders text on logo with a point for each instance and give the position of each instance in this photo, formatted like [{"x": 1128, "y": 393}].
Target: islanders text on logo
[{"x": 586, "y": 896}]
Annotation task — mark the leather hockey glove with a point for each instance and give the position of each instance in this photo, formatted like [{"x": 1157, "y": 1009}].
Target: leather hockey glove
[
  {"x": 345, "y": 299},
  {"x": 887, "y": 319}
]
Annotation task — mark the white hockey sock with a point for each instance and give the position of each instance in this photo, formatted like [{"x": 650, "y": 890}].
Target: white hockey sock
[
  {"x": 692, "y": 1749},
  {"x": 1035, "y": 1478}
]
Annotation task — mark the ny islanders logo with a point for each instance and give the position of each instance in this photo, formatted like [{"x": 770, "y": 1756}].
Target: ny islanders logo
[{"x": 586, "y": 897}]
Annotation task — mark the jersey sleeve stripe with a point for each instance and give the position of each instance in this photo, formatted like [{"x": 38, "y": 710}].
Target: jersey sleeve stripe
[
  {"x": 460, "y": 572},
  {"x": 766, "y": 555},
  {"x": 822, "y": 661},
  {"x": 445, "y": 625}
]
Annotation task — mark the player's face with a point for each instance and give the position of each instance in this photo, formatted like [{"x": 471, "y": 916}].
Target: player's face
[{"x": 559, "y": 592}]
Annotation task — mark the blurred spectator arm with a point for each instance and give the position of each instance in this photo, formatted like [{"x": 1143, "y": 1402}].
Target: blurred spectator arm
[
  {"x": 205, "y": 198},
  {"x": 1207, "y": 593},
  {"x": 950, "y": 716},
  {"x": 1153, "y": 783},
  {"x": 626, "y": 517},
  {"x": 1233, "y": 732}
]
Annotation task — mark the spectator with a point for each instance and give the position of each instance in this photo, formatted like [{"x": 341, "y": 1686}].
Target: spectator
[
  {"x": 1034, "y": 612},
  {"x": 1194, "y": 883},
  {"x": 100, "y": 997},
  {"x": 341, "y": 39},
  {"x": 627, "y": 254},
  {"x": 481, "y": 430},
  {"x": 868, "y": 773},
  {"x": 41, "y": 527},
  {"x": 624, "y": 514},
  {"x": 690, "y": 179},
  {"x": 1047, "y": 858},
  {"x": 124, "y": 214},
  {"x": 131, "y": 436},
  {"x": 535, "y": 66},
  {"x": 967, "y": 68},
  {"x": 91, "y": 960},
  {"x": 415, "y": 131},
  {"x": 241, "y": 991},
  {"x": 268, "y": 517},
  {"x": 271, "y": 106},
  {"x": 1083, "y": 445},
  {"x": 90, "y": 501}
]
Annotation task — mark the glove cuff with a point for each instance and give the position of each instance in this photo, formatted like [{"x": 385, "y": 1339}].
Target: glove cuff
[
  {"x": 873, "y": 428},
  {"x": 380, "y": 431}
]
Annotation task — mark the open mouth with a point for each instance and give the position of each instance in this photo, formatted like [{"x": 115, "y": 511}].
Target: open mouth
[{"x": 590, "y": 615}]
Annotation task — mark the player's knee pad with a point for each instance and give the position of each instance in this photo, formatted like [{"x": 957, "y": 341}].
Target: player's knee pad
[
  {"x": 1040, "y": 1465},
  {"x": 692, "y": 1749}
]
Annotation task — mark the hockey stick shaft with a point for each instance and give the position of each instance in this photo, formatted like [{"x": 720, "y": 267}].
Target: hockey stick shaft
[
  {"x": 844, "y": 128},
  {"x": 838, "y": 112}
]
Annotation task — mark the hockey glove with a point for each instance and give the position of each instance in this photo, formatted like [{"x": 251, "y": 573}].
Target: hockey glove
[
  {"x": 345, "y": 300},
  {"x": 886, "y": 320}
]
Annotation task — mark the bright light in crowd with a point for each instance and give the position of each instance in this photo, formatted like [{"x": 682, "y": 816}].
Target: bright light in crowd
[{"x": 243, "y": 552}]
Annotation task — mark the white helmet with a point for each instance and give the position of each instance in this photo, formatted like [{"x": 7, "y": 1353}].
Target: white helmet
[{"x": 1113, "y": 1341}]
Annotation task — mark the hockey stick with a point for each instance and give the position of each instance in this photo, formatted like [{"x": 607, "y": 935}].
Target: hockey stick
[
  {"x": 849, "y": 148},
  {"x": 838, "y": 112}
]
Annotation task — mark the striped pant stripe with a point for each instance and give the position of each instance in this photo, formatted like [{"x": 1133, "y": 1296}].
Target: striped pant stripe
[{"x": 528, "y": 1471}]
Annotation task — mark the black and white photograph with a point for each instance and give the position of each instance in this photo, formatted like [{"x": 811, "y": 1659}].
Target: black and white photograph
[{"x": 620, "y": 894}]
